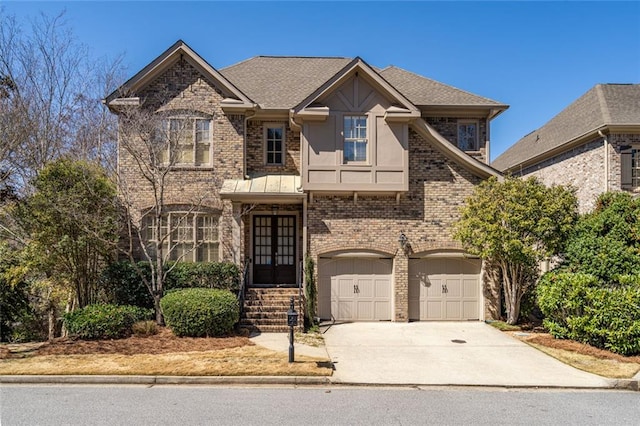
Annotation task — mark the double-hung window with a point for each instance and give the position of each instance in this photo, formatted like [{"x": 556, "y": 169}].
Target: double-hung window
[
  {"x": 635, "y": 168},
  {"x": 274, "y": 144},
  {"x": 186, "y": 237},
  {"x": 189, "y": 142},
  {"x": 468, "y": 135},
  {"x": 355, "y": 139}
]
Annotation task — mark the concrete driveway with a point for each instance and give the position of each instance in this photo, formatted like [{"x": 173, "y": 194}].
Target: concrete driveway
[{"x": 444, "y": 353}]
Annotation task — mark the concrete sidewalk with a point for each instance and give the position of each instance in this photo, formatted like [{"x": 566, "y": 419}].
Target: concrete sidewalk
[{"x": 446, "y": 353}]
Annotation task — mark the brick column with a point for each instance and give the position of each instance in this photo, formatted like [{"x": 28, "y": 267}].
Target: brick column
[{"x": 401, "y": 286}]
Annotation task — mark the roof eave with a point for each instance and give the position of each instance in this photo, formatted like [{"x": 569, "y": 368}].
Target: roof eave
[{"x": 572, "y": 143}]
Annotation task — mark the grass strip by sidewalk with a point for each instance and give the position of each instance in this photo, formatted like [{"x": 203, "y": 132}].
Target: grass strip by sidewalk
[{"x": 243, "y": 361}]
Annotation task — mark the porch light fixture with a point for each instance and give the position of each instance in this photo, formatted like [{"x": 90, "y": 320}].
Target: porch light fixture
[
  {"x": 274, "y": 209},
  {"x": 402, "y": 240}
]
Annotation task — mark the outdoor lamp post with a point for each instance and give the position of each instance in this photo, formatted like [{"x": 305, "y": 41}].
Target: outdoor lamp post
[{"x": 292, "y": 321}]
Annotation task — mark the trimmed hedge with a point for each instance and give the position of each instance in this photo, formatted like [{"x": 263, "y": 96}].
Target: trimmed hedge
[
  {"x": 577, "y": 306},
  {"x": 200, "y": 312},
  {"x": 104, "y": 321},
  {"x": 123, "y": 286}
]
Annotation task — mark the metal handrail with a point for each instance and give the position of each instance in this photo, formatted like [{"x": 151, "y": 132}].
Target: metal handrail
[{"x": 244, "y": 282}]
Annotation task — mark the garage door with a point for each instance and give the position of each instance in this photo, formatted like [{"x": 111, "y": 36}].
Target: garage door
[
  {"x": 354, "y": 289},
  {"x": 444, "y": 289}
]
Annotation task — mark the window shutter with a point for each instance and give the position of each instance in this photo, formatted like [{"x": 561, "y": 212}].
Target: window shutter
[{"x": 625, "y": 169}]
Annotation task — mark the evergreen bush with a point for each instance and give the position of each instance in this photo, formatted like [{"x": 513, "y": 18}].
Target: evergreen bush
[{"x": 200, "y": 312}]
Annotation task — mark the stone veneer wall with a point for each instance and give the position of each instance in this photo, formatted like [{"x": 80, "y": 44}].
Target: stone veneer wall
[
  {"x": 448, "y": 128},
  {"x": 184, "y": 89},
  {"x": 255, "y": 150},
  {"x": 437, "y": 190}
]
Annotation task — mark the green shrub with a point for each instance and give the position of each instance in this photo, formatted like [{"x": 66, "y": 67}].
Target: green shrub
[
  {"x": 122, "y": 284},
  {"x": 579, "y": 307},
  {"x": 199, "y": 312},
  {"x": 218, "y": 275},
  {"x": 104, "y": 321}
]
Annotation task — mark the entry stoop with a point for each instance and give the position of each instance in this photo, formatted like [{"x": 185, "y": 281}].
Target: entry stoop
[{"x": 265, "y": 309}]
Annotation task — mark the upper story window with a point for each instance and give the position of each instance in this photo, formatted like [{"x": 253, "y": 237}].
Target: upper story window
[
  {"x": 186, "y": 237},
  {"x": 635, "y": 168},
  {"x": 189, "y": 142},
  {"x": 355, "y": 139},
  {"x": 274, "y": 144},
  {"x": 468, "y": 135}
]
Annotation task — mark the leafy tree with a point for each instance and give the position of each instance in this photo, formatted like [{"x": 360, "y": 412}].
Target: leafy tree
[
  {"x": 515, "y": 224},
  {"x": 606, "y": 241},
  {"x": 72, "y": 220},
  {"x": 14, "y": 301}
]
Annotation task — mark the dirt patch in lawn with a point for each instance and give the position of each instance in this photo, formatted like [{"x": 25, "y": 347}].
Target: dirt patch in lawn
[
  {"x": 583, "y": 356},
  {"x": 160, "y": 354}
]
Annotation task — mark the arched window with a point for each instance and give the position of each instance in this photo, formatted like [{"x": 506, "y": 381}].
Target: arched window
[{"x": 183, "y": 236}]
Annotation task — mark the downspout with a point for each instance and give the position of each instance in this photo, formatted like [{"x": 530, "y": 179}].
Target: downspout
[
  {"x": 244, "y": 145},
  {"x": 606, "y": 160}
]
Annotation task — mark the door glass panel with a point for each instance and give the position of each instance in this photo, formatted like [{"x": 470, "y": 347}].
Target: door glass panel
[{"x": 262, "y": 241}]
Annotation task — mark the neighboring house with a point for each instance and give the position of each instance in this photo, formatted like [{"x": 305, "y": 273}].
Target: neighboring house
[
  {"x": 363, "y": 169},
  {"x": 593, "y": 145}
]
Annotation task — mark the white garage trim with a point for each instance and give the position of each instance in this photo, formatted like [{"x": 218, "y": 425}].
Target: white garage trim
[
  {"x": 445, "y": 288},
  {"x": 355, "y": 288}
]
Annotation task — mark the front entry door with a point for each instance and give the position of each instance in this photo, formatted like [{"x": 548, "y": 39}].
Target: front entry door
[{"x": 274, "y": 249}]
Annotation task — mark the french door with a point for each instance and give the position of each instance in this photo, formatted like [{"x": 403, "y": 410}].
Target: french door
[{"x": 274, "y": 249}]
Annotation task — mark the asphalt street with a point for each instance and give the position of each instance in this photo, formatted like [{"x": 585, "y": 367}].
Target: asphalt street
[{"x": 331, "y": 405}]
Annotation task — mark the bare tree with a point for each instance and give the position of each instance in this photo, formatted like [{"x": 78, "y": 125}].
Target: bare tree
[
  {"x": 50, "y": 92},
  {"x": 151, "y": 145}
]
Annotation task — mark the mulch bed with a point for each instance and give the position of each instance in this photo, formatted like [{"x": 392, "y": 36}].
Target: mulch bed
[
  {"x": 545, "y": 339},
  {"x": 163, "y": 342}
]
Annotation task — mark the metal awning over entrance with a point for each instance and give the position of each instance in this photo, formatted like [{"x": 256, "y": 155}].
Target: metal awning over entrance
[{"x": 264, "y": 189}]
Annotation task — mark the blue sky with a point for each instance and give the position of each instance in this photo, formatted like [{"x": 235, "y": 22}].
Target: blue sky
[{"x": 536, "y": 56}]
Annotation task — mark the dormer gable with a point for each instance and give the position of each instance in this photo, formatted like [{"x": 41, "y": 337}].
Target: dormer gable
[{"x": 356, "y": 88}]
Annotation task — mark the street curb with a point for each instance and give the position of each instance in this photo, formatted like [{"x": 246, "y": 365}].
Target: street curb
[
  {"x": 168, "y": 380},
  {"x": 614, "y": 384}
]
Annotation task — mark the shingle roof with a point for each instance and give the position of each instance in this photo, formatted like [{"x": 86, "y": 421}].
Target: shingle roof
[
  {"x": 263, "y": 79},
  {"x": 424, "y": 91},
  {"x": 604, "y": 104},
  {"x": 282, "y": 82}
]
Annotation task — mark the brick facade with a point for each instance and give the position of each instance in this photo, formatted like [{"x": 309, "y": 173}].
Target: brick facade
[
  {"x": 583, "y": 168},
  {"x": 256, "y": 163},
  {"x": 437, "y": 190},
  {"x": 448, "y": 128},
  {"x": 438, "y": 186},
  {"x": 183, "y": 89}
]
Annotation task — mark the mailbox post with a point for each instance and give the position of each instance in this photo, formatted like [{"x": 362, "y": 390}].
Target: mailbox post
[{"x": 292, "y": 321}]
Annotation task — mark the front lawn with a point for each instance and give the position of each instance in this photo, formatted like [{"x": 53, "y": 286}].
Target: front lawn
[{"x": 160, "y": 354}]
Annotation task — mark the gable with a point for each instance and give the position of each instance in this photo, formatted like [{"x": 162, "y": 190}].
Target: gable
[
  {"x": 357, "y": 94},
  {"x": 178, "y": 53},
  {"x": 346, "y": 87}
]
